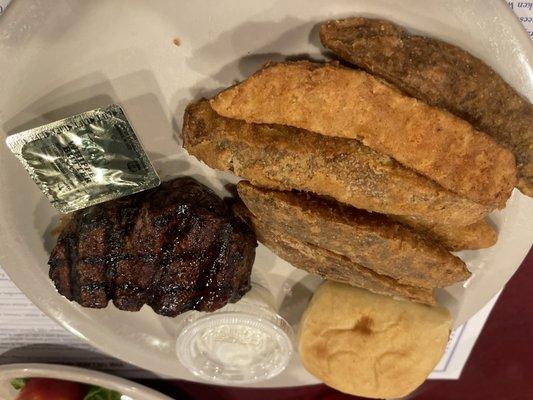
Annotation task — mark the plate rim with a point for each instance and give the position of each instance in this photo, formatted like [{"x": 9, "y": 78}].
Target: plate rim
[{"x": 82, "y": 375}]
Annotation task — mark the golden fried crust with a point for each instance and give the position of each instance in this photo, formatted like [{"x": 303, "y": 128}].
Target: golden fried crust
[
  {"x": 286, "y": 158},
  {"x": 368, "y": 239},
  {"x": 329, "y": 265},
  {"x": 442, "y": 75},
  {"x": 478, "y": 235},
  {"x": 343, "y": 102}
]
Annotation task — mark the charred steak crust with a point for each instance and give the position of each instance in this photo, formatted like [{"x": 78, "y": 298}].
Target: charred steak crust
[{"x": 176, "y": 248}]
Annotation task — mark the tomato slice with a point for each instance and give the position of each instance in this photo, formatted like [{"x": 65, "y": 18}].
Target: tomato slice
[{"x": 51, "y": 389}]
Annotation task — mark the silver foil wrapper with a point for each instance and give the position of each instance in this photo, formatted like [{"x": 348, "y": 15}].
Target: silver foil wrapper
[{"x": 85, "y": 159}]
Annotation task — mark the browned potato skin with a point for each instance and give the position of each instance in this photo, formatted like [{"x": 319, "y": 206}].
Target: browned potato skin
[
  {"x": 343, "y": 102},
  {"x": 285, "y": 158},
  {"x": 479, "y": 235},
  {"x": 441, "y": 75},
  {"x": 330, "y": 265},
  {"x": 369, "y": 239}
]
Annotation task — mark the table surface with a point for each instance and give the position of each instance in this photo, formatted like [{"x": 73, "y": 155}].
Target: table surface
[{"x": 500, "y": 366}]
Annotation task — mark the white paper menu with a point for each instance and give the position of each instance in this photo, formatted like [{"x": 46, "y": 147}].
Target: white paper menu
[
  {"x": 27, "y": 335},
  {"x": 524, "y": 12}
]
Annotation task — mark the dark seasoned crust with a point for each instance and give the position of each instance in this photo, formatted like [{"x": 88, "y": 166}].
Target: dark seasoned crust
[
  {"x": 368, "y": 239},
  {"x": 343, "y": 102},
  {"x": 285, "y": 158},
  {"x": 176, "y": 248},
  {"x": 330, "y": 265},
  {"x": 441, "y": 75},
  {"x": 479, "y": 235}
]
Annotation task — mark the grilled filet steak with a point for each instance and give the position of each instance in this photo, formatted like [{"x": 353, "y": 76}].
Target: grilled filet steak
[
  {"x": 442, "y": 75},
  {"x": 176, "y": 248}
]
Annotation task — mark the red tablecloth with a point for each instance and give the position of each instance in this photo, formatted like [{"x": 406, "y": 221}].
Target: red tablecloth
[{"x": 499, "y": 368}]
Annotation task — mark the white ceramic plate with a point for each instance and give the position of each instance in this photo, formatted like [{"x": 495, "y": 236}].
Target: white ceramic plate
[
  {"x": 65, "y": 57},
  {"x": 130, "y": 390}
]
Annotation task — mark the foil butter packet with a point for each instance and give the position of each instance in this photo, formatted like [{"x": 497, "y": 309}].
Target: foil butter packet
[{"x": 85, "y": 159}]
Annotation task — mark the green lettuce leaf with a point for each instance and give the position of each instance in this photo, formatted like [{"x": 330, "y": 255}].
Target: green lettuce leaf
[
  {"x": 98, "y": 393},
  {"x": 18, "y": 383}
]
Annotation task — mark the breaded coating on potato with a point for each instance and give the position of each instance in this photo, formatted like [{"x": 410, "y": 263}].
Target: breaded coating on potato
[
  {"x": 478, "y": 235},
  {"x": 285, "y": 158},
  {"x": 369, "y": 239},
  {"x": 343, "y": 102},
  {"x": 329, "y": 265},
  {"x": 441, "y": 75}
]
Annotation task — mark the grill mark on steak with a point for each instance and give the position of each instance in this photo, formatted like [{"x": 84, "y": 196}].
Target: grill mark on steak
[{"x": 175, "y": 248}]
